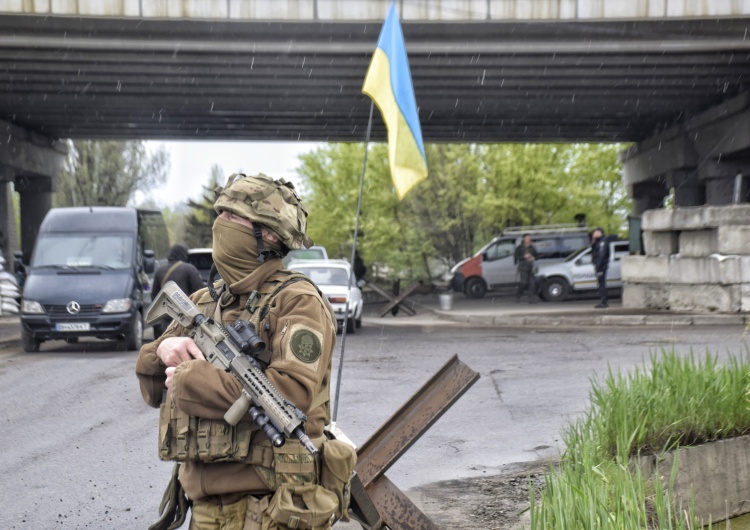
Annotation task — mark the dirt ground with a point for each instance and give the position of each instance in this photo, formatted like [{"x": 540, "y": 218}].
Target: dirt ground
[{"x": 498, "y": 502}]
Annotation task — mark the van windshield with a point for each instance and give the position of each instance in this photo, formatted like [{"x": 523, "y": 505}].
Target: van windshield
[{"x": 83, "y": 250}]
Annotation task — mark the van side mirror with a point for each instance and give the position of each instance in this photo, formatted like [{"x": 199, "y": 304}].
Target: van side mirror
[{"x": 149, "y": 261}]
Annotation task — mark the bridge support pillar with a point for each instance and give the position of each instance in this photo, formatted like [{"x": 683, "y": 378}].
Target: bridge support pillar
[
  {"x": 31, "y": 162},
  {"x": 697, "y": 249}
]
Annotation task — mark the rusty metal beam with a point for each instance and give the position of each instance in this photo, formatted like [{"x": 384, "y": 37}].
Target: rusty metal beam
[
  {"x": 377, "y": 502},
  {"x": 413, "y": 419}
]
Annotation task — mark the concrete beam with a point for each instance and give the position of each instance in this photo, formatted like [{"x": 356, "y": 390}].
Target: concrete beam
[
  {"x": 26, "y": 152},
  {"x": 33, "y": 162},
  {"x": 697, "y": 152}
]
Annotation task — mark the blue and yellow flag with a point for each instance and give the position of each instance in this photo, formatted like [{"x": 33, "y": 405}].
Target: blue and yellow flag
[{"x": 388, "y": 83}]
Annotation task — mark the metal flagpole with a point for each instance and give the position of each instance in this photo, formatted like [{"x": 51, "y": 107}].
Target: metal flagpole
[{"x": 351, "y": 276}]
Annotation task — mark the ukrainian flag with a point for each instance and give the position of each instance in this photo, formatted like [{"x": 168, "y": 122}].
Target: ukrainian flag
[{"x": 388, "y": 83}]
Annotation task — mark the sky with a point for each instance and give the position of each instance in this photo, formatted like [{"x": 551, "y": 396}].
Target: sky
[{"x": 191, "y": 162}]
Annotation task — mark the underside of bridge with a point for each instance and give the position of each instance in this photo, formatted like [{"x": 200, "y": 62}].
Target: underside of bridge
[
  {"x": 488, "y": 81},
  {"x": 641, "y": 81}
]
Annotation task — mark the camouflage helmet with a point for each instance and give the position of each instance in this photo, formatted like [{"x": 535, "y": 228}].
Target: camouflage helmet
[{"x": 271, "y": 203}]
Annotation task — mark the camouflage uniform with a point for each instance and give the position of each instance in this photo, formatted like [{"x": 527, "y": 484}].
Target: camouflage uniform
[{"x": 299, "y": 330}]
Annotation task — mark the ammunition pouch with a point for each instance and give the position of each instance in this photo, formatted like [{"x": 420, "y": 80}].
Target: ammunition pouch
[
  {"x": 310, "y": 492},
  {"x": 185, "y": 438},
  {"x": 337, "y": 462},
  {"x": 300, "y": 506}
]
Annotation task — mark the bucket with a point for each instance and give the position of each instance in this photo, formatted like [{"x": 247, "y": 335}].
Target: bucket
[{"x": 446, "y": 301}]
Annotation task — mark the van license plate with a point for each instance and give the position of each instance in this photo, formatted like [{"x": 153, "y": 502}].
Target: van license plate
[{"x": 82, "y": 326}]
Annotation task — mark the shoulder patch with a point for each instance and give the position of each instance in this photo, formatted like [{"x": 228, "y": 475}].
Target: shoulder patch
[{"x": 305, "y": 345}]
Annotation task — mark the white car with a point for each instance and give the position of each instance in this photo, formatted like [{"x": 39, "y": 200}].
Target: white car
[
  {"x": 333, "y": 279},
  {"x": 314, "y": 252},
  {"x": 558, "y": 280}
]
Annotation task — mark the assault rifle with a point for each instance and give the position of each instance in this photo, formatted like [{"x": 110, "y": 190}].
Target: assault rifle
[{"x": 231, "y": 348}]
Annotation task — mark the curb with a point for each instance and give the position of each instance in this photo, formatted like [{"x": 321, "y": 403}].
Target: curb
[{"x": 556, "y": 320}]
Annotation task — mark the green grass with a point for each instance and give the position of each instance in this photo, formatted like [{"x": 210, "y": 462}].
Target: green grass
[{"x": 677, "y": 402}]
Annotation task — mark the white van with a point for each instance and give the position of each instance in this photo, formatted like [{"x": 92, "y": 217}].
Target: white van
[{"x": 494, "y": 265}]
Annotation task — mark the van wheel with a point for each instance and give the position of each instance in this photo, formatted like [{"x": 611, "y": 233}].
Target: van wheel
[
  {"x": 29, "y": 343},
  {"x": 134, "y": 339},
  {"x": 350, "y": 326},
  {"x": 555, "y": 289},
  {"x": 475, "y": 288}
]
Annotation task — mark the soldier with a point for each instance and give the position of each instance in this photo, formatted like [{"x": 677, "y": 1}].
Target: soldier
[
  {"x": 178, "y": 270},
  {"x": 260, "y": 220},
  {"x": 524, "y": 257}
]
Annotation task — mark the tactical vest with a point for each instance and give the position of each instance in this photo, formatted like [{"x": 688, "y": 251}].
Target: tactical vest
[{"x": 186, "y": 438}]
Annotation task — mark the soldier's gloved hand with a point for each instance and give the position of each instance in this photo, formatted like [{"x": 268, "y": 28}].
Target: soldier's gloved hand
[
  {"x": 175, "y": 350},
  {"x": 599, "y": 274}
]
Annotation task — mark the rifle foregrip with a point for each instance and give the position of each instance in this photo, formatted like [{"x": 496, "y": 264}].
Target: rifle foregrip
[{"x": 238, "y": 409}]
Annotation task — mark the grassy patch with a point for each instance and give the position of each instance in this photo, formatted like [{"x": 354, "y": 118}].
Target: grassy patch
[{"x": 677, "y": 402}]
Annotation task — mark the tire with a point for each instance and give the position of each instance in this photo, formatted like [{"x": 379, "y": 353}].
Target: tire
[
  {"x": 555, "y": 289},
  {"x": 134, "y": 339},
  {"x": 350, "y": 326},
  {"x": 29, "y": 343},
  {"x": 475, "y": 287},
  {"x": 358, "y": 323}
]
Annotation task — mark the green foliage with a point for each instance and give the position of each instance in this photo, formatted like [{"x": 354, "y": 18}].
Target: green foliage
[
  {"x": 201, "y": 214},
  {"x": 108, "y": 173},
  {"x": 679, "y": 401},
  {"x": 474, "y": 191}
]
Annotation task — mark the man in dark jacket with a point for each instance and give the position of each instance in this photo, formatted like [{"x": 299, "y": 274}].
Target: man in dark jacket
[
  {"x": 176, "y": 270},
  {"x": 600, "y": 259},
  {"x": 524, "y": 258}
]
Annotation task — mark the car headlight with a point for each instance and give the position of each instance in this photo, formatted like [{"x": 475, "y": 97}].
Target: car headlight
[
  {"x": 31, "y": 307},
  {"x": 119, "y": 305}
]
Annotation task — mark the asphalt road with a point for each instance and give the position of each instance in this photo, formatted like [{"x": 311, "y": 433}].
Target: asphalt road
[{"x": 78, "y": 444}]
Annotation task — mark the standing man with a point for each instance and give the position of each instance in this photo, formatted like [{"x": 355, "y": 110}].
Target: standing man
[
  {"x": 232, "y": 472},
  {"x": 600, "y": 259},
  {"x": 177, "y": 270},
  {"x": 524, "y": 258}
]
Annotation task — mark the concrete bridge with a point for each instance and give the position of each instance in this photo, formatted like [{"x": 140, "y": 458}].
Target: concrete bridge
[{"x": 668, "y": 75}]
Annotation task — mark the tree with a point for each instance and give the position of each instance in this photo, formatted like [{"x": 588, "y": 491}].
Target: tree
[
  {"x": 473, "y": 193},
  {"x": 201, "y": 215},
  {"x": 108, "y": 173}
]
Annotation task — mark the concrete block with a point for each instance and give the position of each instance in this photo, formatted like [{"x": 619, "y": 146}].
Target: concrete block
[
  {"x": 689, "y": 218},
  {"x": 698, "y": 243},
  {"x": 660, "y": 243},
  {"x": 730, "y": 214},
  {"x": 733, "y": 239},
  {"x": 745, "y": 297},
  {"x": 714, "y": 476},
  {"x": 712, "y": 298},
  {"x": 688, "y": 270},
  {"x": 725, "y": 270},
  {"x": 715, "y": 269},
  {"x": 656, "y": 220},
  {"x": 645, "y": 269},
  {"x": 745, "y": 269},
  {"x": 645, "y": 296}
]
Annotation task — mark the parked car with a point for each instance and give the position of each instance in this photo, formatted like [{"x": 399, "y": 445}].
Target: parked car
[
  {"x": 493, "y": 265},
  {"x": 202, "y": 259},
  {"x": 314, "y": 252},
  {"x": 88, "y": 275},
  {"x": 576, "y": 273},
  {"x": 333, "y": 279}
]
